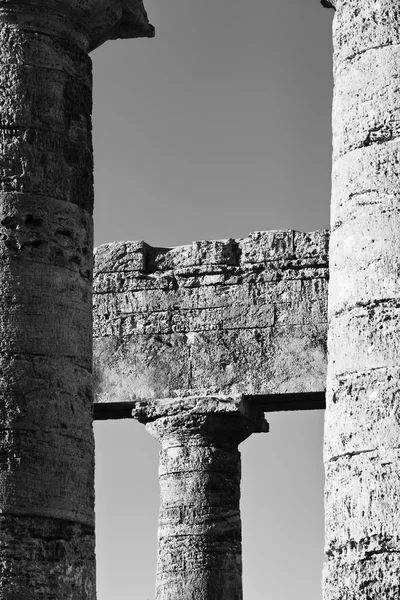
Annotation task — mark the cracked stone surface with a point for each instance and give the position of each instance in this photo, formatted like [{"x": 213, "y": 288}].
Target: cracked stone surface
[
  {"x": 46, "y": 192},
  {"x": 362, "y": 428},
  {"x": 221, "y": 317}
]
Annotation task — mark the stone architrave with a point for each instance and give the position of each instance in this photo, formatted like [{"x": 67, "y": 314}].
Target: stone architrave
[
  {"x": 199, "y": 532},
  {"x": 244, "y": 316},
  {"x": 46, "y": 200},
  {"x": 362, "y": 432}
]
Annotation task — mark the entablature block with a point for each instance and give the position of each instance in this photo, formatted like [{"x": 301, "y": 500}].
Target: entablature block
[{"x": 245, "y": 316}]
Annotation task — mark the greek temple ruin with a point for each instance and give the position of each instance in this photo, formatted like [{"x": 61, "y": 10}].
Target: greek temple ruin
[{"x": 197, "y": 342}]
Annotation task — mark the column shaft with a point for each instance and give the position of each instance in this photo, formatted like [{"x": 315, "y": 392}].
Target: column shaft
[
  {"x": 362, "y": 433},
  {"x": 46, "y": 200},
  {"x": 199, "y": 536},
  {"x": 46, "y": 247}
]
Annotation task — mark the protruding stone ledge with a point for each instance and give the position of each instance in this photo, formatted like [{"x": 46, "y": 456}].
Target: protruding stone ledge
[
  {"x": 149, "y": 411},
  {"x": 89, "y": 22},
  {"x": 104, "y": 411},
  {"x": 277, "y": 248}
]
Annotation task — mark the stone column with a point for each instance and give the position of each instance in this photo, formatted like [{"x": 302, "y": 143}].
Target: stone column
[
  {"x": 362, "y": 435},
  {"x": 199, "y": 535},
  {"x": 46, "y": 200}
]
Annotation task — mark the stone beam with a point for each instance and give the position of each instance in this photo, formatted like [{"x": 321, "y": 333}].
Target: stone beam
[
  {"x": 230, "y": 317},
  {"x": 105, "y": 411},
  {"x": 46, "y": 199},
  {"x": 362, "y": 431}
]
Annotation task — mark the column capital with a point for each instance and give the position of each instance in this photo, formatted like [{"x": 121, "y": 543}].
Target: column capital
[
  {"x": 220, "y": 420},
  {"x": 89, "y": 22},
  {"x": 199, "y": 533}
]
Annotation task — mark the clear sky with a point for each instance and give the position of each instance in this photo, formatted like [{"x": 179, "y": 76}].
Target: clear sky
[{"x": 217, "y": 127}]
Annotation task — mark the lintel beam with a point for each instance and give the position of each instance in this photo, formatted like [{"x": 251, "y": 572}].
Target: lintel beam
[{"x": 106, "y": 411}]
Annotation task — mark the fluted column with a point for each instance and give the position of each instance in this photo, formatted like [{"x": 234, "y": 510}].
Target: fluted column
[
  {"x": 362, "y": 433},
  {"x": 46, "y": 202},
  {"x": 199, "y": 535}
]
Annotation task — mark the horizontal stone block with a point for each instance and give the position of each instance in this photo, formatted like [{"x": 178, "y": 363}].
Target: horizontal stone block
[
  {"x": 228, "y": 317},
  {"x": 120, "y": 257},
  {"x": 234, "y": 307},
  {"x": 227, "y": 362},
  {"x": 262, "y": 246}
]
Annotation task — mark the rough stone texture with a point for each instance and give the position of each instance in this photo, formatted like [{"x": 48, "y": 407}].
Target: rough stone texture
[
  {"x": 46, "y": 201},
  {"x": 362, "y": 432},
  {"x": 223, "y": 317},
  {"x": 199, "y": 549},
  {"x": 87, "y": 23},
  {"x": 55, "y": 559}
]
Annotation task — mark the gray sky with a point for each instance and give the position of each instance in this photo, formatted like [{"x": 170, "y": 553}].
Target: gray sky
[{"x": 217, "y": 127}]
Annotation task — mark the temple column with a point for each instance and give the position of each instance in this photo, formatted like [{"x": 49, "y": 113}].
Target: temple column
[
  {"x": 362, "y": 432},
  {"x": 199, "y": 535},
  {"x": 46, "y": 202}
]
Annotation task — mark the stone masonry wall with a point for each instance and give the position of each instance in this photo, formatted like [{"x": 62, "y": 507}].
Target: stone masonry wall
[{"x": 221, "y": 317}]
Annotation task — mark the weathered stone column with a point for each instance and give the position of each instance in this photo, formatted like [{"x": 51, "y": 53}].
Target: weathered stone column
[
  {"x": 199, "y": 547},
  {"x": 362, "y": 436},
  {"x": 46, "y": 200}
]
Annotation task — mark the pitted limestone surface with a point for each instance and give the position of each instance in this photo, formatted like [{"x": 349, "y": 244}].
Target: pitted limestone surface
[
  {"x": 222, "y": 317},
  {"x": 362, "y": 423},
  {"x": 46, "y": 246}
]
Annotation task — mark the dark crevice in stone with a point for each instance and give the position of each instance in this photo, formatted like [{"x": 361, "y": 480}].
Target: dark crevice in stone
[{"x": 327, "y": 4}]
